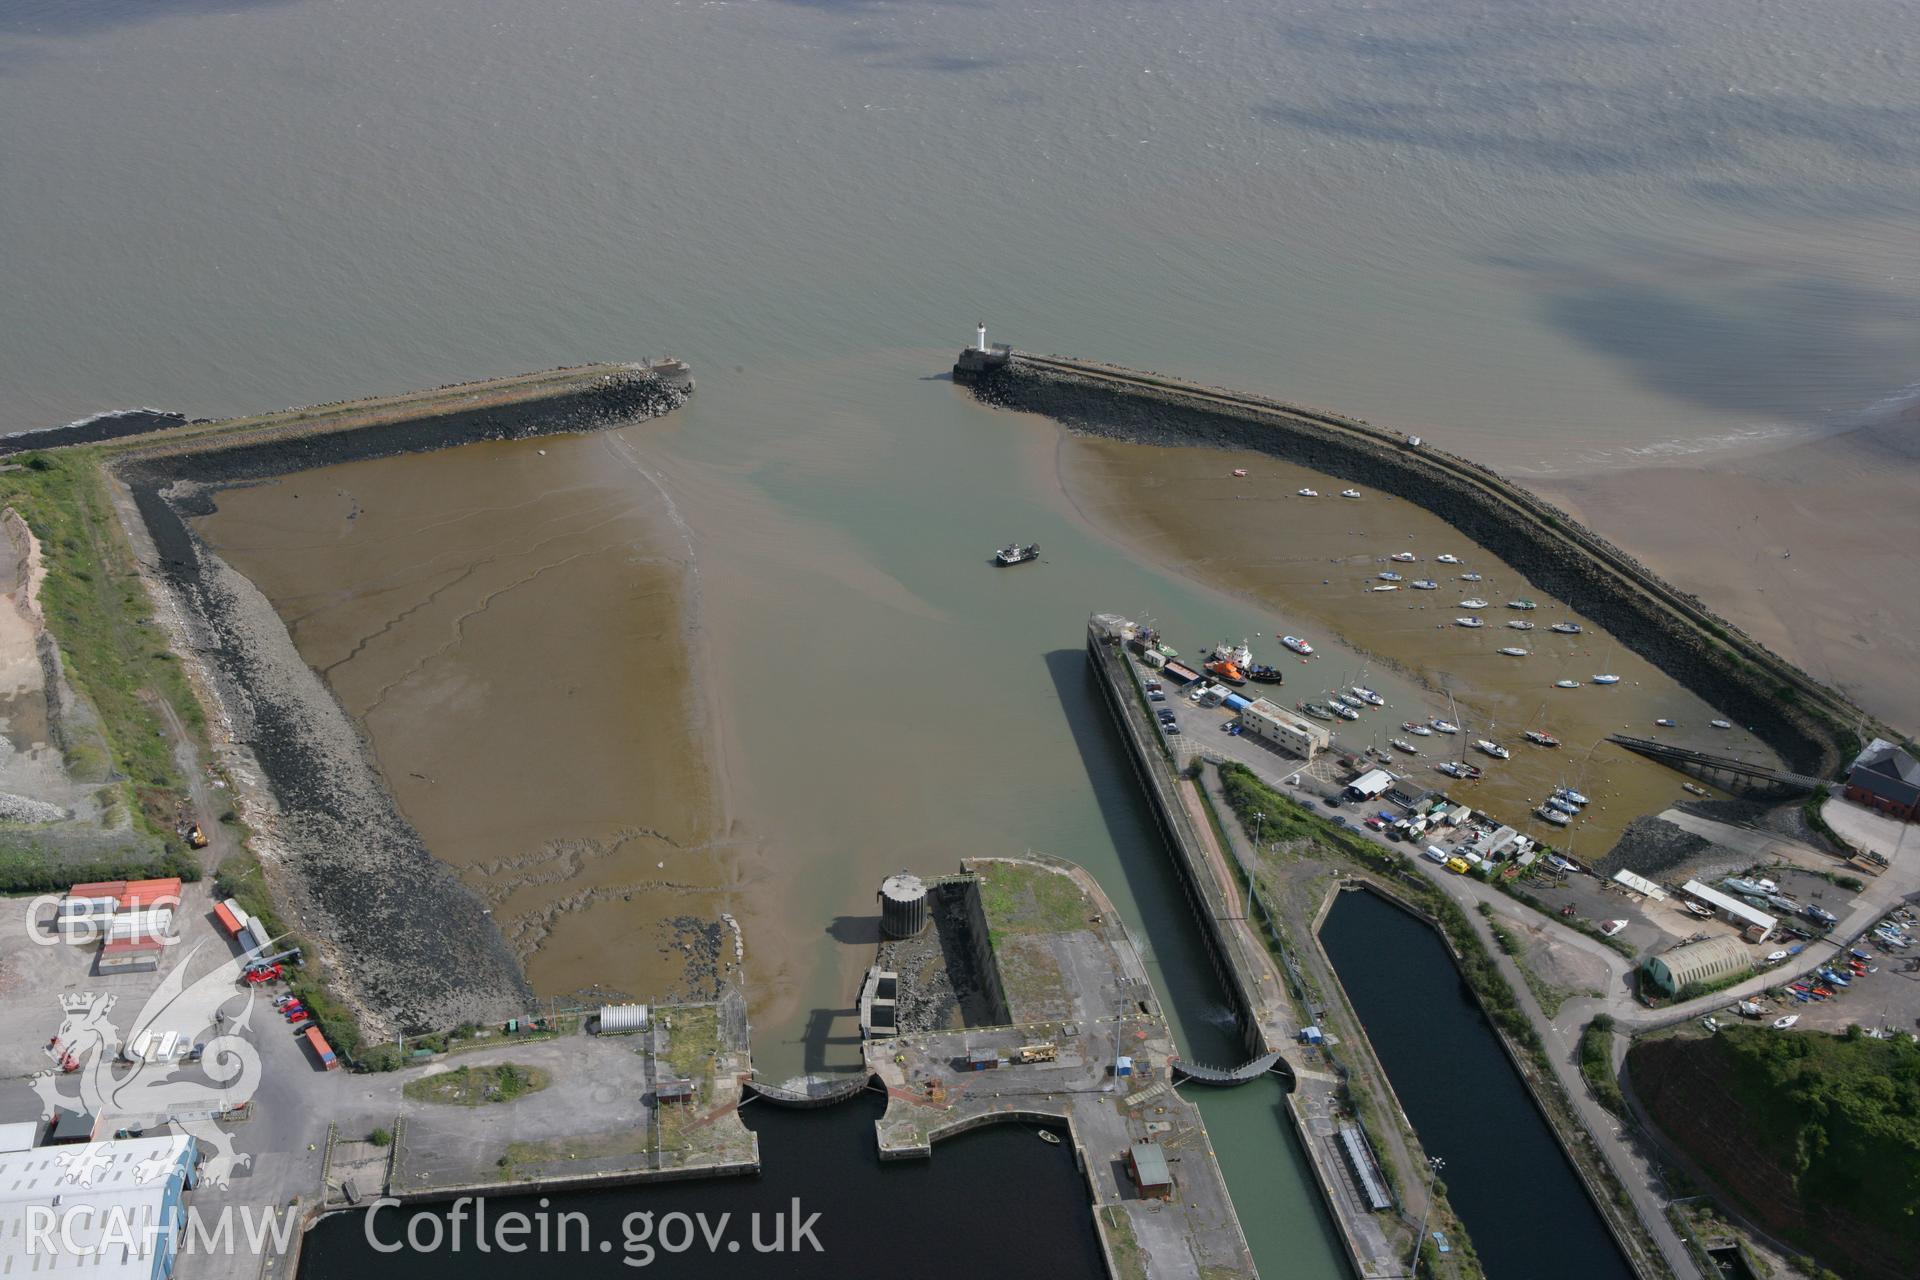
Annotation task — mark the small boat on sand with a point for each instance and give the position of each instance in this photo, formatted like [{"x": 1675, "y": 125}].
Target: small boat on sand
[
  {"x": 1665, "y": 723},
  {"x": 1388, "y": 586},
  {"x": 1720, "y": 724},
  {"x": 1425, "y": 584},
  {"x": 1470, "y": 577},
  {"x": 1389, "y": 576},
  {"x": 1239, "y": 473},
  {"x": 1521, "y": 604}
]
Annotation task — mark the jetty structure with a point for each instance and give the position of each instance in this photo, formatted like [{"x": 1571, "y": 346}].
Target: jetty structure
[
  {"x": 1815, "y": 729},
  {"x": 341, "y": 859}
]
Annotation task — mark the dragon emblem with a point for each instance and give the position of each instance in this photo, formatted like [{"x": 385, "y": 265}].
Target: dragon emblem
[{"x": 109, "y": 1078}]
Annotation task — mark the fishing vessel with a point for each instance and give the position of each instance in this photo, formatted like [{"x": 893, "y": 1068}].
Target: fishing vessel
[
  {"x": 1403, "y": 745},
  {"x": 1469, "y": 623},
  {"x": 1416, "y": 729},
  {"x": 1470, "y": 577},
  {"x": 1521, "y": 604},
  {"x": 1512, "y": 652},
  {"x": 1520, "y": 625},
  {"x": 1298, "y": 645},
  {"x": 1447, "y": 558},
  {"x": 1606, "y": 679},
  {"x": 1541, "y": 737},
  {"x": 1566, "y": 628},
  {"x": 1552, "y": 816},
  {"x": 1315, "y": 710},
  {"x": 1566, "y": 684},
  {"x": 1404, "y": 557},
  {"x": 1473, "y": 602},
  {"x": 1493, "y": 748},
  {"x": 1349, "y": 493},
  {"x": 1368, "y": 696},
  {"x": 1308, "y": 493},
  {"x": 1444, "y": 726},
  {"x": 1014, "y": 553}
]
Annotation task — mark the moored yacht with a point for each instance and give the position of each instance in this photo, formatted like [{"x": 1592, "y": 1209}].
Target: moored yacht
[
  {"x": 1493, "y": 748},
  {"x": 1403, "y": 745},
  {"x": 1566, "y": 684},
  {"x": 1417, "y": 730},
  {"x": 1469, "y": 623},
  {"x": 1568, "y": 793},
  {"x": 1308, "y": 493},
  {"x": 1540, "y": 737},
  {"x": 1521, "y": 604},
  {"x": 1444, "y": 726},
  {"x": 1566, "y": 628},
  {"x": 1368, "y": 696},
  {"x": 1389, "y": 576},
  {"x": 1473, "y": 602},
  {"x": 1606, "y": 679},
  {"x": 1513, "y": 652},
  {"x": 1349, "y": 493},
  {"x": 1447, "y": 558},
  {"x": 1553, "y": 816},
  {"x": 1425, "y": 584},
  {"x": 1470, "y": 577},
  {"x": 1404, "y": 557},
  {"x": 1520, "y": 625}
]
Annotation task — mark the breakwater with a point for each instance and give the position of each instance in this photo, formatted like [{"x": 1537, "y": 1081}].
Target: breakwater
[
  {"x": 1812, "y": 727},
  {"x": 409, "y": 946}
]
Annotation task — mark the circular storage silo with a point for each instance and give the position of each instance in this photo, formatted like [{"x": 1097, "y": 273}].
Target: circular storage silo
[{"x": 903, "y": 906}]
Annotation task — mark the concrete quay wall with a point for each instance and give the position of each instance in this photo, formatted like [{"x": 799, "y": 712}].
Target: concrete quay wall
[{"x": 1812, "y": 727}]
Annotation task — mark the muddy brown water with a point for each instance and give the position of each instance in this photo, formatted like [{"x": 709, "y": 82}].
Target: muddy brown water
[
  {"x": 504, "y": 622},
  {"x": 1314, "y": 563}
]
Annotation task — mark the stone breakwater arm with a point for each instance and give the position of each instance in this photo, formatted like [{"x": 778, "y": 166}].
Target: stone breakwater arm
[
  {"x": 1813, "y": 727},
  {"x": 411, "y": 948}
]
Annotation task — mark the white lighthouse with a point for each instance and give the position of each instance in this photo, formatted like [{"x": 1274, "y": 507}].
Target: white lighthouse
[{"x": 980, "y": 337}]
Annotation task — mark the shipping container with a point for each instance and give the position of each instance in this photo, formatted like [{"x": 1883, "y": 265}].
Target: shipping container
[
  {"x": 1237, "y": 703},
  {"x": 230, "y": 920},
  {"x": 151, "y": 893},
  {"x": 321, "y": 1049}
]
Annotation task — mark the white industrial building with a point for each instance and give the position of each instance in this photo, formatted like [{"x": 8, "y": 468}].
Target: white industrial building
[
  {"x": 1755, "y": 924},
  {"x": 1274, "y": 723},
  {"x": 118, "y": 1202}
]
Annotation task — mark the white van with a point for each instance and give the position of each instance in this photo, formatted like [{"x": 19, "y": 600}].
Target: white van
[{"x": 1438, "y": 854}]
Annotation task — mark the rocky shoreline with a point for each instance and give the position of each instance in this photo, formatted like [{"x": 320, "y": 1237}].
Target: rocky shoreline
[
  {"x": 1545, "y": 545},
  {"x": 411, "y": 947}
]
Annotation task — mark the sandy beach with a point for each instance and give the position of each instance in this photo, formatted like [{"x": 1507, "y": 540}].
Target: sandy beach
[{"x": 1810, "y": 549}]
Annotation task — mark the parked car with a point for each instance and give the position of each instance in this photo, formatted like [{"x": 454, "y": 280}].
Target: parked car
[
  {"x": 1154, "y": 695},
  {"x": 1374, "y": 824}
]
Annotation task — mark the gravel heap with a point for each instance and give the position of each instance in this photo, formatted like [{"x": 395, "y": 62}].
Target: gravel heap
[
  {"x": 20, "y": 809},
  {"x": 1652, "y": 847}
]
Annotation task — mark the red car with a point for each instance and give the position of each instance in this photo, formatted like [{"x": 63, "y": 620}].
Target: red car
[{"x": 258, "y": 976}]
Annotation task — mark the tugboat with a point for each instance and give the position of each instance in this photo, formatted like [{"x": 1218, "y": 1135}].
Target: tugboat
[
  {"x": 1566, "y": 628},
  {"x": 1298, "y": 645},
  {"x": 1541, "y": 738},
  {"x": 1014, "y": 553}
]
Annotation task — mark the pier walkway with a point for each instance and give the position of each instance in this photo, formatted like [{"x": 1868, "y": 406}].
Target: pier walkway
[{"x": 1687, "y": 759}]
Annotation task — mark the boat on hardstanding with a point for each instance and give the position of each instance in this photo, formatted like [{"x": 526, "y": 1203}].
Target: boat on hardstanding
[
  {"x": 1444, "y": 726},
  {"x": 1404, "y": 557},
  {"x": 1447, "y": 558},
  {"x": 1540, "y": 737},
  {"x": 1551, "y": 816},
  {"x": 1473, "y": 602},
  {"x": 1298, "y": 645},
  {"x": 1368, "y": 696},
  {"x": 1425, "y": 584},
  {"x": 1014, "y": 553},
  {"x": 1470, "y": 624},
  {"x": 1566, "y": 628},
  {"x": 1493, "y": 748}
]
